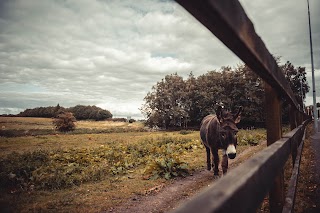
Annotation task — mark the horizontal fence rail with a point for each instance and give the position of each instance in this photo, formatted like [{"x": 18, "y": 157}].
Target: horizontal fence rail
[
  {"x": 291, "y": 194},
  {"x": 244, "y": 188},
  {"x": 228, "y": 22}
]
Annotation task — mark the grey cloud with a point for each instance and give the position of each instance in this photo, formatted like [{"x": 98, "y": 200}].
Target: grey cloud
[
  {"x": 284, "y": 26},
  {"x": 110, "y": 53}
]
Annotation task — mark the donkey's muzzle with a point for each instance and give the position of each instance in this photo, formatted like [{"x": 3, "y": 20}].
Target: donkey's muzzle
[
  {"x": 232, "y": 155},
  {"x": 231, "y": 151}
]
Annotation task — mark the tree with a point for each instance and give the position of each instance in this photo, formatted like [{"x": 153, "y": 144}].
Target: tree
[
  {"x": 209, "y": 94},
  {"x": 248, "y": 92},
  {"x": 82, "y": 112},
  {"x": 174, "y": 102},
  {"x": 64, "y": 122},
  {"x": 165, "y": 105},
  {"x": 297, "y": 79},
  {"x": 192, "y": 99}
]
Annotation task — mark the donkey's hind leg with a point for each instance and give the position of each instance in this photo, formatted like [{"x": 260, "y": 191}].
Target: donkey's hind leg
[{"x": 208, "y": 159}]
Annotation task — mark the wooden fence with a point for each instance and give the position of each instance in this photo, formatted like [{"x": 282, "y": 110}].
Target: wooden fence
[{"x": 244, "y": 188}]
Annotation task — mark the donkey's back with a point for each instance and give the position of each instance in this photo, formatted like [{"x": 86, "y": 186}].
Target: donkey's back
[{"x": 208, "y": 130}]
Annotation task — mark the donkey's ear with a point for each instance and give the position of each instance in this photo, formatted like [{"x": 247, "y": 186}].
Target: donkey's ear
[
  {"x": 219, "y": 113},
  {"x": 237, "y": 117}
]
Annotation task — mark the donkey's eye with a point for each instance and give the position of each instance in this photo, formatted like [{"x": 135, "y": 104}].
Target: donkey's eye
[{"x": 223, "y": 134}]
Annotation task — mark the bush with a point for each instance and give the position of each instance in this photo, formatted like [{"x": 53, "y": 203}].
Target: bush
[
  {"x": 16, "y": 171},
  {"x": 167, "y": 167},
  {"x": 57, "y": 169},
  {"x": 250, "y": 138},
  {"x": 118, "y": 119},
  {"x": 132, "y": 120},
  {"x": 64, "y": 122}
]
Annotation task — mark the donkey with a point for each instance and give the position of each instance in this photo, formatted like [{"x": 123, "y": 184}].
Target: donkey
[{"x": 220, "y": 132}]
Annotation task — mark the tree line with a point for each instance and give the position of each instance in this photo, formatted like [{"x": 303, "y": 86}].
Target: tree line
[
  {"x": 175, "y": 102},
  {"x": 80, "y": 112}
]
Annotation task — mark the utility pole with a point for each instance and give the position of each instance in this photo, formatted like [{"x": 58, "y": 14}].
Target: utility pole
[{"x": 315, "y": 111}]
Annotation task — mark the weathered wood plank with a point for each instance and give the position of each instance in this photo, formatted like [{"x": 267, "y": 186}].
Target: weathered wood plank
[
  {"x": 293, "y": 117},
  {"x": 292, "y": 187},
  {"x": 273, "y": 115},
  {"x": 296, "y": 138},
  {"x": 228, "y": 22},
  {"x": 274, "y": 132}
]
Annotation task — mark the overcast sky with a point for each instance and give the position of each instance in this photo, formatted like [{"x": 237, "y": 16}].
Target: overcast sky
[{"x": 110, "y": 53}]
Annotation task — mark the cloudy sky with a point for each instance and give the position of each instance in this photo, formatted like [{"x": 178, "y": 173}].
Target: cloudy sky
[{"x": 110, "y": 53}]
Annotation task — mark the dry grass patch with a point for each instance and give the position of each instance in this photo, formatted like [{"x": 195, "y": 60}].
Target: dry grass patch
[
  {"x": 108, "y": 124},
  {"x": 24, "y": 126},
  {"x": 23, "y": 123}
]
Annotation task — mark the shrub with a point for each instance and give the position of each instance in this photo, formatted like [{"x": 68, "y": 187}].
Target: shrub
[
  {"x": 16, "y": 171},
  {"x": 118, "y": 119},
  {"x": 64, "y": 122},
  {"x": 250, "y": 138},
  {"x": 167, "y": 165},
  {"x": 131, "y": 120}
]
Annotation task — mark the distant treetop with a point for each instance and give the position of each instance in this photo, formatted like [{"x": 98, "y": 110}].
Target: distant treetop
[{"x": 80, "y": 112}]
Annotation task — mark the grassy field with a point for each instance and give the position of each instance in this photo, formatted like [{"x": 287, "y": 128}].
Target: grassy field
[
  {"x": 78, "y": 172},
  {"x": 21, "y": 126},
  {"x": 23, "y": 123}
]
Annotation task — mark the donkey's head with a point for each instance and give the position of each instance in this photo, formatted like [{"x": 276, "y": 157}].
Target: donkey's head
[{"x": 228, "y": 130}]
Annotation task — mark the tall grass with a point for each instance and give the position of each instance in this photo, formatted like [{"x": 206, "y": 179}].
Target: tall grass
[
  {"x": 52, "y": 162},
  {"x": 161, "y": 156},
  {"x": 57, "y": 169}
]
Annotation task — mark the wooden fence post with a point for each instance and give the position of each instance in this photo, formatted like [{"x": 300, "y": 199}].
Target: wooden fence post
[
  {"x": 300, "y": 118},
  {"x": 292, "y": 117},
  {"x": 273, "y": 123}
]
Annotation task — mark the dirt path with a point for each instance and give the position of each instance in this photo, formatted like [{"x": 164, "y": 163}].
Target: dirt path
[{"x": 165, "y": 198}]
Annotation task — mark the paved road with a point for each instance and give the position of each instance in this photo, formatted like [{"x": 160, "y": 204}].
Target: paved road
[{"x": 315, "y": 144}]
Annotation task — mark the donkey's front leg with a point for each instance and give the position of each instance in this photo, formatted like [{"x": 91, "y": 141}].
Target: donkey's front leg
[
  {"x": 208, "y": 159},
  {"x": 216, "y": 161},
  {"x": 224, "y": 164}
]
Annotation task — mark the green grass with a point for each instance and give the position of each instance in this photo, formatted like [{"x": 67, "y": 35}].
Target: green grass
[
  {"x": 65, "y": 164},
  {"x": 100, "y": 168},
  {"x": 251, "y": 137}
]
